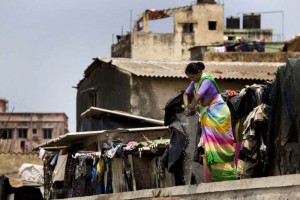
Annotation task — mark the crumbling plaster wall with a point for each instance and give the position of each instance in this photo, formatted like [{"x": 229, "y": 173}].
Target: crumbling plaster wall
[
  {"x": 152, "y": 46},
  {"x": 150, "y": 95},
  {"x": 199, "y": 16}
]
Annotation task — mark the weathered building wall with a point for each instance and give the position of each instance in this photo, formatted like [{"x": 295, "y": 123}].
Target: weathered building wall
[
  {"x": 199, "y": 18},
  {"x": 105, "y": 87},
  {"x": 205, "y": 13},
  {"x": 150, "y": 95},
  {"x": 251, "y": 34},
  {"x": 273, "y": 46},
  {"x": 122, "y": 48},
  {"x": 32, "y": 126},
  {"x": 200, "y": 25},
  {"x": 152, "y": 46},
  {"x": 249, "y": 56}
]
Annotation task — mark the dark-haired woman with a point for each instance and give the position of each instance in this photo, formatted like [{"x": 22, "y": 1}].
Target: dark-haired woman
[{"x": 215, "y": 120}]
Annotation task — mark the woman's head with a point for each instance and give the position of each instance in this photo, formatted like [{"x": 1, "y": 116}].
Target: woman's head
[{"x": 194, "y": 71}]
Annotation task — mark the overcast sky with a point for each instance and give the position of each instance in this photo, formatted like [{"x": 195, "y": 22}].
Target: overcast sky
[{"x": 45, "y": 46}]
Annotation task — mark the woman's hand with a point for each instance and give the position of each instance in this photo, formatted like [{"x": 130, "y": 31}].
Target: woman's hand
[{"x": 186, "y": 112}]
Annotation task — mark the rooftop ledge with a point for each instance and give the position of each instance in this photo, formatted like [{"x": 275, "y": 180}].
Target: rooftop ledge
[{"x": 274, "y": 187}]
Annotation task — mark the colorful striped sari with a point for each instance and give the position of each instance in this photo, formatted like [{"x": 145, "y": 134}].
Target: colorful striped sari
[{"x": 218, "y": 140}]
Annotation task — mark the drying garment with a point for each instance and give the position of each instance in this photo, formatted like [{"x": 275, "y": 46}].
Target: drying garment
[
  {"x": 53, "y": 160},
  {"x": 218, "y": 139},
  {"x": 59, "y": 170},
  {"x": 42, "y": 153}
]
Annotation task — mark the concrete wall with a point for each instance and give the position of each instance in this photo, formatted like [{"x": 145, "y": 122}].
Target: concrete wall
[
  {"x": 276, "y": 187},
  {"x": 122, "y": 48},
  {"x": 146, "y": 45},
  {"x": 273, "y": 46},
  {"x": 34, "y": 123},
  {"x": 202, "y": 14},
  {"x": 249, "y": 56},
  {"x": 251, "y": 34},
  {"x": 149, "y": 95},
  {"x": 152, "y": 46},
  {"x": 3, "y": 103},
  {"x": 199, "y": 16}
]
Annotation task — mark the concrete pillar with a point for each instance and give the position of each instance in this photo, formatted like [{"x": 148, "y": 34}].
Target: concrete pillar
[{"x": 3, "y": 103}]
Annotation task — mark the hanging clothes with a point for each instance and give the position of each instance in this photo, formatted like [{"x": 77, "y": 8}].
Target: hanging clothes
[{"x": 59, "y": 170}]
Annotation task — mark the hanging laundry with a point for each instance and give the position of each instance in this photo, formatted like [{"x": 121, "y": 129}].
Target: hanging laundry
[{"x": 59, "y": 170}]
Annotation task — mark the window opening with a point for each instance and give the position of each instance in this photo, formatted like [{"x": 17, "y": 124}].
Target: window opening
[
  {"x": 6, "y": 133},
  {"x": 47, "y": 133},
  {"x": 93, "y": 99},
  {"x": 212, "y": 25},
  {"x": 22, "y": 133},
  {"x": 188, "y": 28}
]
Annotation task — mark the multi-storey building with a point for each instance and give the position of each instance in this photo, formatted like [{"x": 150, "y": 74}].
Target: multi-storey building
[
  {"x": 200, "y": 24},
  {"x": 19, "y": 132}
]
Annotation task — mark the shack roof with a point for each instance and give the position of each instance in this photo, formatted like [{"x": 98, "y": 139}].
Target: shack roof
[
  {"x": 95, "y": 111},
  {"x": 175, "y": 69},
  {"x": 69, "y": 138}
]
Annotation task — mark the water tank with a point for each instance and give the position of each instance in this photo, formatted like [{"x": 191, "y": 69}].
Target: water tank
[
  {"x": 251, "y": 21},
  {"x": 233, "y": 22}
]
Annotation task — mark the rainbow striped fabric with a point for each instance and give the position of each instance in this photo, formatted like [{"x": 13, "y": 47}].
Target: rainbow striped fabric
[{"x": 218, "y": 140}]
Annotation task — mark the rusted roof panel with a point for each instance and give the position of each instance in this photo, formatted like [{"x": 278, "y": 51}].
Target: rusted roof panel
[{"x": 219, "y": 70}]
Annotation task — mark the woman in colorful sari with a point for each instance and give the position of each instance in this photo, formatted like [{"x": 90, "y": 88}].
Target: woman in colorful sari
[{"x": 215, "y": 121}]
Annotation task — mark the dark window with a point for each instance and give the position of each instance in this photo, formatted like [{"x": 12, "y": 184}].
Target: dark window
[
  {"x": 34, "y": 131},
  {"x": 188, "y": 28},
  {"x": 47, "y": 133},
  {"x": 22, "y": 145},
  {"x": 22, "y": 133},
  {"x": 6, "y": 133},
  {"x": 93, "y": 99},
  {"x": 212, "y": 25}
]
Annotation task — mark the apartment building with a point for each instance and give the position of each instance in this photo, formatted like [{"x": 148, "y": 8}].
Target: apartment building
[{"x": 21, "y": 131}]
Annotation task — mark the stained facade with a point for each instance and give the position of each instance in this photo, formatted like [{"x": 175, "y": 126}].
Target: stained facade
[
  {"x": 195, "y": 25},
  {"x": 21, "y": 131}
]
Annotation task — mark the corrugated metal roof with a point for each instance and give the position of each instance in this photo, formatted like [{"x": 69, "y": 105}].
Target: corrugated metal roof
[
  {"x": 65, "y": 140},
  {"x": 219, "y": 70},
  {"x": 93, "y": 110}
]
